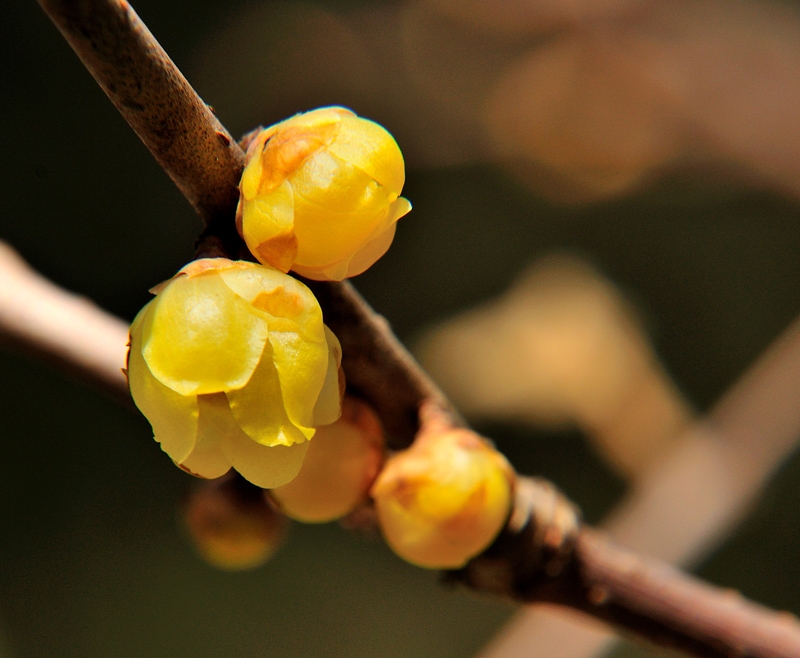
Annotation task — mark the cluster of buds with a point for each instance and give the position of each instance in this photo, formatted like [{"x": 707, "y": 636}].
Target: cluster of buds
[{"x": 233, "y": 367}]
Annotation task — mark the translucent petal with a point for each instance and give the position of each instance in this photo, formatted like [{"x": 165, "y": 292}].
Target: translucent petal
[
  {"x": 207, "y": 459},
  {"x": 329, "y": 403},
  {"x": 264, "y": 466},
  {"x": 278, "y": 295},
  {"x": 289, "y": 146},
  {"x": 366, "y": 257},
  {"x": 372, "y": 149},
  {"x": 251, "y": 177},
  {"x": 302, "y": 366},
  {"x": 337, "y": 208},
  {"x": 199, "y": 338},
  {"x": 259, "y": 411},
  {"x": 173, "y": 416},
  {"x": 268, "y": 226}
]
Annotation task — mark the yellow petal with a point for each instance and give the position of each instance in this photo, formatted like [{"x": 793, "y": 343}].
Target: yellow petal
[
  {"x": 302, "y": 366},
  {"x": 251, "y": 177},
  {"x": 268, "y": 223},
  {"x": 280, "y": 297},
  {"x": 207, "y": 459},
  {"x": 258, "y": 408},
  {"x": 337, "y": 208},
  {"x": 366, "y": 257},
  {"x": 200, "y": 338},
  {"x": 173, "y": 416},
  {"x": 444, "y": 500},
  {"x": 329, "y": 403},
  {"x": 372, "y": 149},
  {"x": 264, "y": 466}
]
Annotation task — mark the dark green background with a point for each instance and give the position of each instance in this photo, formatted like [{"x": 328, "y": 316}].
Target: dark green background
[{"x": 92, "y": 560}]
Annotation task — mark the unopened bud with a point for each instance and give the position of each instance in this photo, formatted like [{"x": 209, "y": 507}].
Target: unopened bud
[
  {"x": 445, "y": 499},
  {"x": 340, "y": 466},
  {"x": 232, "y": 526},
  {"x": 320, "y": 194}
]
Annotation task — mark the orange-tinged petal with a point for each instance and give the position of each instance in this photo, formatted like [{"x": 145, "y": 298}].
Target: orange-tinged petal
[
  {"x": 269, "y": 219},
  {"x": 280, "y": 297},
  {"x": 444, "y": 500},
  {"x": 173, "y": 416},
  {"x": 289, "y": 147},
  {"x": 366, "y": 257},
  {"x": 199, "y": 338},
  {"x": 342, "y": 462}
]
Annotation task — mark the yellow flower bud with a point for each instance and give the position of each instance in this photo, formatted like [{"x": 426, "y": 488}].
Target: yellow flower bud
[
  {"x": 231, "y": 527},
  {"x": 320, "y": 194},
  {"x": 341, "y": 464},
  {"x": 444, "y": 500},
  {"x": 232, "y": 366}
]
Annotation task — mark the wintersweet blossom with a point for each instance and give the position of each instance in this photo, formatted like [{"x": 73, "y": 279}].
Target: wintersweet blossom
[
  {"x": 444, "y": 500},
  {"x": 342, "y": 462},
  {"x": 320, "y": 194},
  {"x": 232, "y": 366}
]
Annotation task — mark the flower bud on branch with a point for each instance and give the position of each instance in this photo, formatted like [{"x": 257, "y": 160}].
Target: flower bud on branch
[
  {"x": 232, "y": 366},
  {"x": 342, "y": 462},
  {"x": 445, "y": 499},
  {"x": 320, "y": 194}
]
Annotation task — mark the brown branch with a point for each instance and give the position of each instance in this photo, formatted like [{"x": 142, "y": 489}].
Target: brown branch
[
  {"x": 199, "y": 155},
  {"x": 532, "y": 559},
  {"x": 152, "y": 95},
  {"x": 654, "y": 600}
]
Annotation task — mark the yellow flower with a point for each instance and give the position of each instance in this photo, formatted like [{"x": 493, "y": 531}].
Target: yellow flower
[
  {"x": 342, "y": 462},
  {"x": 320, "y": 194},
  {"x": 444, "y": 500},
  {"x": 232, "y": 366}
]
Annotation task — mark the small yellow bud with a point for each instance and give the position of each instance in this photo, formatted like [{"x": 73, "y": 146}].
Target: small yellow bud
[
  {"x": 232, "y": 527},
  {"x": 232, "y": 366},
  {"x": 341, "y": 464},
  {"x": 320, "y": 194},
  {"x": 444, "y": 500}
]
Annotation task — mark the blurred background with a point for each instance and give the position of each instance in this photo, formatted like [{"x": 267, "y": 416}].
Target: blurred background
[{"x": 604, "y": 236}]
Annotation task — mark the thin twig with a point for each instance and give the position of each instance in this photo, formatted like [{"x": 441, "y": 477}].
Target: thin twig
[{"x": 598, "y": 579}]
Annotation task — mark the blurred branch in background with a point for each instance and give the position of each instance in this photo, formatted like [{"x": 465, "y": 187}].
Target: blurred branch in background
[
  {"x": 583, "y": 100},
  {"x": 41, "y": 319},
  {"x": 561, "y": 347}
]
